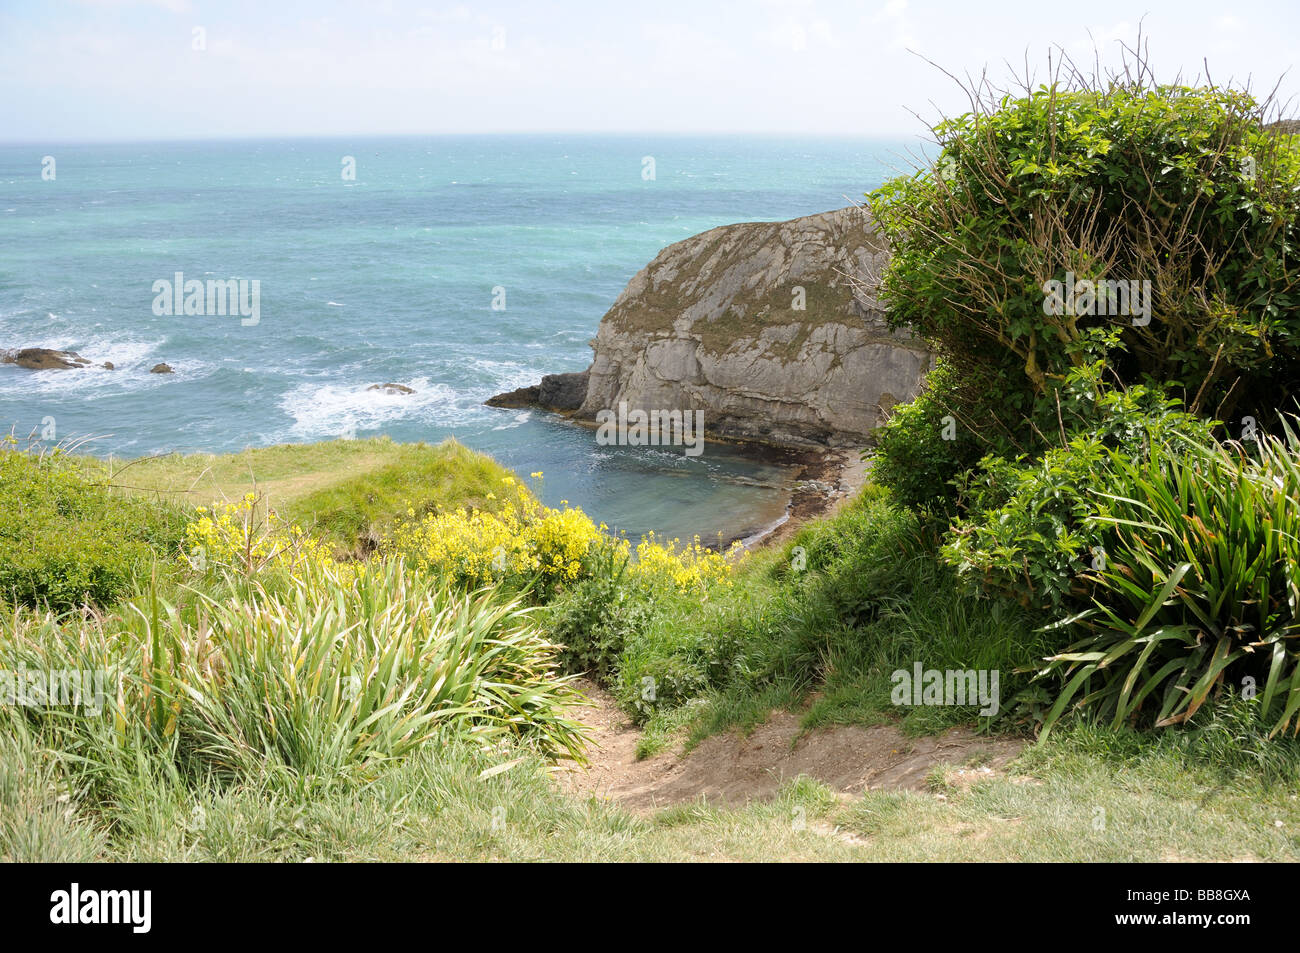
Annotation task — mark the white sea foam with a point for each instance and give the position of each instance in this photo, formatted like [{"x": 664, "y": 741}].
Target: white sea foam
[
  {"x": 517, "y": 421},
  {"x": 505, "y": 375},
  {"x": 130, "y": 360},
  {"x": 332, "y": 410}
]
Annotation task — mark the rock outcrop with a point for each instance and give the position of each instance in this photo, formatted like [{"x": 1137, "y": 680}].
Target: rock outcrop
[
  {"x": 44, "y": 359},
  {"x": 391, "y": 388},
  {"x": 564, "y": 393},
  {"x": 771, "y": 328}
]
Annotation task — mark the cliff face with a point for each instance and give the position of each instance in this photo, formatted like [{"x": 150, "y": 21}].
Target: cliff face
[{"x": 712, "y": 323}]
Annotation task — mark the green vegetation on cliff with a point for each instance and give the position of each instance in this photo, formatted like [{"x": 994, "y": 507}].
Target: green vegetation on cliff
[
  {"x": 347, "y": 491},
  {"x": 1106, "y": 267},
  {"x": 292, "y": 713}
]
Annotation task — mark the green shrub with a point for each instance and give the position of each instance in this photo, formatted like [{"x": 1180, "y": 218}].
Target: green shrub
[
  {"x": 660, "y": 681},
  {"x": 1032, "y": 532},
  {"x": 1199, "y": 589},
  {"x": 922, "y": 448},
  {"x": 66, "y": 540},
  {"x": 679, "y": 649},
  {"x": 594, "y": 618},
  {"x": 1121, "y": 179}
]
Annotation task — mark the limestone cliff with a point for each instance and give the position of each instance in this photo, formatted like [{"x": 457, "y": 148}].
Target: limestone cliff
[{"x": 714, "y": 323}]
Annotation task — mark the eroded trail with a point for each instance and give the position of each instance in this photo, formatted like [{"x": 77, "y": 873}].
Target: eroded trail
[{"x": 732, "y": 769}]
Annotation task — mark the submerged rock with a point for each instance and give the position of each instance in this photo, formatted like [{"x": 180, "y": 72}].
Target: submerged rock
[
  {"x": 392, "y": 388},
  {"x": 44, "y": 359}
]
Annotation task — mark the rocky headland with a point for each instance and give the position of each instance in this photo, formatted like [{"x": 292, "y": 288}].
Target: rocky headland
[{"x": 772, "y": 329}]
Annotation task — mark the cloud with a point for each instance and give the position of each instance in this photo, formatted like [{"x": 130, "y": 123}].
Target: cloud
[
  {"x": 894, "y": 15},
  {"x": 172, "y": 6}
]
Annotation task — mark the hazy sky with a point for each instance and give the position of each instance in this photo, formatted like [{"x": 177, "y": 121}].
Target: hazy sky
[{"x": 130, "y": 69}]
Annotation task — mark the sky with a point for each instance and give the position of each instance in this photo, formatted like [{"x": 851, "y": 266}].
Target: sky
[{"x": 94, "y": 70}]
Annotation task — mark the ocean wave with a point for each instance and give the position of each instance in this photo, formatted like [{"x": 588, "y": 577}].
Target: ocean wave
[
  {"x": 504, "y": 376},
  {"x": 333, "y": 410},
  {"x": 130, "y": 360}
]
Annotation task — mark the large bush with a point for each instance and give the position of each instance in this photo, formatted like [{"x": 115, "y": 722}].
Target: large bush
[
  {"x": 1121, "y": 180},
  {"x": 1107, "y": 268}
]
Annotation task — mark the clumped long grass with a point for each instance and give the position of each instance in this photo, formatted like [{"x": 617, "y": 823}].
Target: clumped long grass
[
  {"x": 1201, "y": 588},
  {"x": 38, "y": 820},
  {"x": 316, "y": 681}
]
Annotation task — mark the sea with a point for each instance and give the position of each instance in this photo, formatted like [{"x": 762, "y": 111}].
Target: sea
[{"x": 457, "y": 266}]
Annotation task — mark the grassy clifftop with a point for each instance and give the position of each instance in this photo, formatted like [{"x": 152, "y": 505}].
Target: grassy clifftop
[{"x": 348, "y": 492}]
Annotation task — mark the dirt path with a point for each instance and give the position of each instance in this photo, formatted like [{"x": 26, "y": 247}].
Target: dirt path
[{"x": 732, "y": 769}]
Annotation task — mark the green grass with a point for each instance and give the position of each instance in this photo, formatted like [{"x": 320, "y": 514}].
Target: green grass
[
  {"x": 827, "y": 619},
  {"x": 1087, "y": 795},
  {"x": 324, "y": 679},
  {"x": 1094, "y": 795},
  {"x": 265, "y": 770},
  {"x": 345, "y": 491}
]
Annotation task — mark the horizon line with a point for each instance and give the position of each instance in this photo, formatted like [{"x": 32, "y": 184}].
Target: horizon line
[{"x": 267, "y": 137}]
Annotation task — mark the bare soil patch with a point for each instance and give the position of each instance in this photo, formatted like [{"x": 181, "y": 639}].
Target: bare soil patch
[{"x": 733, "y": 769}]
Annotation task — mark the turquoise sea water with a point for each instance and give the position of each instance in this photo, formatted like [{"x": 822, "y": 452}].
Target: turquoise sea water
[{"x": 388, "y": 277}]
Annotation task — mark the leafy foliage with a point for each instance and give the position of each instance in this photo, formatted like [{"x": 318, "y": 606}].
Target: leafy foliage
[
  {"x": 594, "y": 619},
  {"x": 1033, "y": 531},
  {"x": 1120, "y": 179},
  {"x": 921, "y": 450},
  {"x": 66, "y": 539}
]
